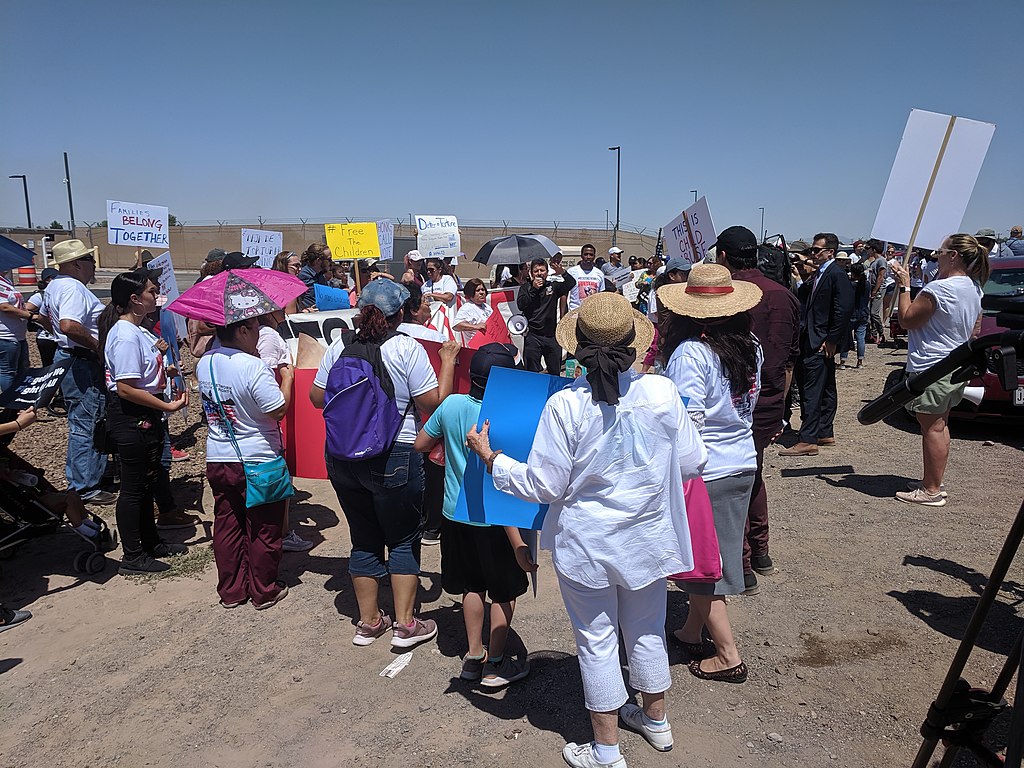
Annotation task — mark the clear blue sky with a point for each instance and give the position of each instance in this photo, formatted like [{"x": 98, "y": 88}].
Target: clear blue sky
[{"x": 230, "y": 110}]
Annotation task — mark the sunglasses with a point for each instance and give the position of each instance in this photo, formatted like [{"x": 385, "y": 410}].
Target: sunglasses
[{"x": 816, "y": 250}]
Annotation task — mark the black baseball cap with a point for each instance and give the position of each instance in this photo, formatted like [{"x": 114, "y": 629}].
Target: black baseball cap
[
  {"x": 215, "y": 254},
  {"x": 736, "y": 239},
  {"x": 489, "y": 356},
  {"x": 238, "y": 260}
]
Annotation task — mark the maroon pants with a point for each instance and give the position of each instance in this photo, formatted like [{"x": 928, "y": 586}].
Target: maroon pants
[
  {"x": 246, "y": 542},
  {"x": 755, "y": 539}
]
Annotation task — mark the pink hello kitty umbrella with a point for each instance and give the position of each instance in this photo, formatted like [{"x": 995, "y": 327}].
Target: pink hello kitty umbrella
[{"x": 235, "y": 295}]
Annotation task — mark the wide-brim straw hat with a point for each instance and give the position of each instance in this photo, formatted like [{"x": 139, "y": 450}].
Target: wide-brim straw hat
[
  {"x": 70, "y": 250},
  {"x": 605, "y": 318},
  {"x": 710, "y": 291}
]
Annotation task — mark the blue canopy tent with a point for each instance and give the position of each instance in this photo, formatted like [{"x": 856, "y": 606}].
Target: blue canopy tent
[{"x": 13, "y": 255}]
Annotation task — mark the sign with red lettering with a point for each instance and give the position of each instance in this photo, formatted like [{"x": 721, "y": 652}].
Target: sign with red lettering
[{"x": 136, "y": 224}]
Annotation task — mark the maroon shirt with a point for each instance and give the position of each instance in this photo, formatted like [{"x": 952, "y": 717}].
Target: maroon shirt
[{"x": 776, "y": 323}]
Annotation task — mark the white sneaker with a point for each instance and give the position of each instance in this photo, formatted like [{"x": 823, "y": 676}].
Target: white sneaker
[
  {"x": 658, "y": 736},
  {"x": 295, "y": 543},
  {"x": 582, "y": 756}
]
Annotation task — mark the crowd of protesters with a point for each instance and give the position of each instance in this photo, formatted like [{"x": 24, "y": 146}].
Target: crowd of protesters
[{"x": 610, "y": 456}]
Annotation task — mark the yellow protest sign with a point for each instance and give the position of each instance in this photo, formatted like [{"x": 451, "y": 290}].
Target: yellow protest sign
[{"x": 353, "y": 241}]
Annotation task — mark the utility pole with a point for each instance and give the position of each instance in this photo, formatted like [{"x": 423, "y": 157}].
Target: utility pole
[
  {"x": 618, "y": 177},
  {"x": 71, "y": 202},
  {"x": 24, "y": 184},
  {"x": 694, "y": 195},
  {"x": 762, "y": 224}
]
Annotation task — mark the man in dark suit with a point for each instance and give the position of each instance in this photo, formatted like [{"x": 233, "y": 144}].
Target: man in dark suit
[{"x": 826, "y": 301}]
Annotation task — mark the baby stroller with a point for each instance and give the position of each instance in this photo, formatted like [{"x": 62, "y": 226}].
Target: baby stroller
[{"x": 31, "y": 507}]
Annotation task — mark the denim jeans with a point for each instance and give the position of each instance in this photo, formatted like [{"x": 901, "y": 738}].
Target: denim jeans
[
  {"x": 382, "y": 499},
  {"x": 13, "y": 361},
  {"x": 86, "y": 403},
  {"x": 859, "y": 330}
]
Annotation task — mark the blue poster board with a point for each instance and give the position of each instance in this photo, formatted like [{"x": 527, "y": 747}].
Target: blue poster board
[
  {"x": 513, "y": 401},
  {"x": 328, "y": 298}
]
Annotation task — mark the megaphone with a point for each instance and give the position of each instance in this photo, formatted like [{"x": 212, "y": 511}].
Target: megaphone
[
  {"x": 974, "y": 394},
  {"x": 517, "y": 325}
]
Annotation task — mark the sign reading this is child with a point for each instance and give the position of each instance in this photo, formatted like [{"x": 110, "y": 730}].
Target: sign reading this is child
[
  {"x": 690, "y": 234},
  {"x": 264, "y": 244},
  {"x": 353, "y": 241},
  {"x": 136, "y": 224},
  {"x": 437, "y": 237}
]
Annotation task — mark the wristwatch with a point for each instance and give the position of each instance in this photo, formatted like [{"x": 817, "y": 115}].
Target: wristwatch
[{"x": 904, "y": 289}]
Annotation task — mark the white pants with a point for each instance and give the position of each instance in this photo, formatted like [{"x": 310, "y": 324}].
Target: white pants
[{"x": 596, "y": 616}]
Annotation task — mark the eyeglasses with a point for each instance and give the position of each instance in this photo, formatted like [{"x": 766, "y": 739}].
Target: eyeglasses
[
  {"x": 815, "y": 250},
  {"x": 938, "y": 251}
]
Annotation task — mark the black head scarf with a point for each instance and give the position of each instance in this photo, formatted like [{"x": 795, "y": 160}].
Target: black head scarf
[{"x": 604, "y": 363}]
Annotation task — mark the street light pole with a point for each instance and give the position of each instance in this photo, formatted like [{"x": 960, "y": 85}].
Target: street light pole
[
  {"x": 71, "y": 202},
  {"x": 762, "y": 223},
  {"x": 24, "y": 183},
  {"x": 618, "y": 176},
  {"x": 694, "y": 195}
]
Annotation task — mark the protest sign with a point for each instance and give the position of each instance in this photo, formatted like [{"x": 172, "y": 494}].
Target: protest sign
[
  {"x": 169, "y": 289},
  {"x": 629, "y": 289},
  {"x": 325, "y": 327},
  {"x": 690, "y": 234},
  {"x": 386, "y": 239},
  {"x": 35, "y": 388},
  {"x": 328, "y": 298},
  {"x": 461, "y": 383},
  {"x": 513, "y": 429},
  {"x": 353, "y": 241},
  {"x": 136, "y": 224},
  {"x": 932, "y": 178},
  {"x": 263, "y": 244},
  {"x": 495, "y": 332},
  {"x": 437, "y": 237}
]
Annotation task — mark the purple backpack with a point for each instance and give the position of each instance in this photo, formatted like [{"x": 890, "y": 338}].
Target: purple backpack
[{"x": 361, "y": 415}]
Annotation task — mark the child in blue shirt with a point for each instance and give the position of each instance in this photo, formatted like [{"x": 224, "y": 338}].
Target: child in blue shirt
[{"x": 478, "y": 561}]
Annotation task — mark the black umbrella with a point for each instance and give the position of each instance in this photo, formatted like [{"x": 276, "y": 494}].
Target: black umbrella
[{"x": 516, "y": 249}]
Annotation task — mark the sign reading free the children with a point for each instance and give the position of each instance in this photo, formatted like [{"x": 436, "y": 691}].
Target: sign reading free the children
[{"x": 136, "y": 224}]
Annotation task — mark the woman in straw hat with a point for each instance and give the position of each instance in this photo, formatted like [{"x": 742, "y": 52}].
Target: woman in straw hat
[
  {"x": 715, "y": 363},
  {"x": 610, "y": 456}
]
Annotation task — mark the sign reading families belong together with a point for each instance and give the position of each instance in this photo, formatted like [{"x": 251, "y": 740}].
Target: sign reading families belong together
[{"x": 136, "y": 224}]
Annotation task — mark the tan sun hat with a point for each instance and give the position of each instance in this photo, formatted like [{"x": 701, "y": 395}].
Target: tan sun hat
[
  {"x": 605, "y": 318},
  {"x": 709, "y": 292},
  {"x": 70, "y": 250}
]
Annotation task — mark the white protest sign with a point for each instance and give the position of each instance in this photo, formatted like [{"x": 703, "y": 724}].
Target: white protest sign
[
  {"x": 325, "y": 327},
  {"x": 386, "y": 238},
  {"x": 169, "y": 287},
  {"x": 263, "y": 244},
  {"x": 932, "y": 178},
  {"x": 437, "y": 237},
  {"x": 630, "y": 290},
  {"x": 136, "y": 224},
  {"x": 690, "y": 234}
]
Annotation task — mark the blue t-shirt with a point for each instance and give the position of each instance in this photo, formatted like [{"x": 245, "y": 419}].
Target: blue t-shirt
[{"x": 454, "y": 417}]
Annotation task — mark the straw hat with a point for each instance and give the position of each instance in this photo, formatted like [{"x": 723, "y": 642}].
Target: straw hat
[
  {"x": 605, "y": 318},
  {"x": 709, "y": 292},
  {"x": 70, "y": 250}
]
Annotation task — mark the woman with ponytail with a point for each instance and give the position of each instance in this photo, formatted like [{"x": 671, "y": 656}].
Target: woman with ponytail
[
  {"x": 715, "y": 363},
  {"x": 945, "y": 314},
  {"x": 382, "y": 496},
  {"x": 136, "y": 416}
]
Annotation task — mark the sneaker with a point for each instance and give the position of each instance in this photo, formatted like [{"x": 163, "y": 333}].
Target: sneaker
[
  {"x": 582, "y": 756},
  {"x": 98, "y": 496},
  {"x": 295, "y": 543},
  {"x": 921, "y": 496},
  {"x": 165, "y": 549},
  {"x": 913, "y": 485},
  {"x": 177, "y": 455},
  {"x": 473, "y": 668},
  {"x": 430, "y": 539},
  {"x": 420, "y": 631},
  {"x": 175, "y": 520},
  {"x": 658, "y": 736},
  {"x": 762, "y": 564},
  {"x": 367, "y": 633},
  {"x": 142, "y": 564},
  {"x": 10, "y": 618},
  {"x": 750, "y": 585},
  {"x": 505, "y": 672},
  {"x": 282, "y": 593}
]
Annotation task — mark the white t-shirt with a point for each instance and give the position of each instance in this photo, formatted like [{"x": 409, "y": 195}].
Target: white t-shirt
[
  {"x": 421, "y": 332},
  {"x": 38, "y": 300},
  {"x": 11, "y": 328},
  {"x": 248, "y": 392},
  {"x": 272, "y": 348},
  {"x": 472, "y": 313},
  {"x": 587, "y": 284},
  {"x": 406, "y": 362},
  {"x": 130, "y": 353},
  {"x": 725, "y": 423},
  {"x": 957, "y": 306},
  {"x": 444, "y": 284},
  {"x": 68, "y": 299}
]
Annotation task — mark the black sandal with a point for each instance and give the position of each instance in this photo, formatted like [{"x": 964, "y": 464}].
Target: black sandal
[{"x": 737, "y": 674}]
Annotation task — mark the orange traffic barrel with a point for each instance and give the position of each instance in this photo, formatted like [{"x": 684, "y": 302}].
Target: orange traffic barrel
[{"x": 26, "y": 275}]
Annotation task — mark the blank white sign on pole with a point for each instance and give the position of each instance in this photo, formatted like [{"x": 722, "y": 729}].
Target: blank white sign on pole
[{"x": 932, "y": 178}]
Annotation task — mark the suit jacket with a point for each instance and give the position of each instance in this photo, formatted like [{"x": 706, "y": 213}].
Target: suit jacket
[{"x": 827, "y": 303}]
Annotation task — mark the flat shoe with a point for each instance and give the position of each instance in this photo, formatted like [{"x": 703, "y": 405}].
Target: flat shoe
[
  {"x": 233, "y": 605},
  {"x": 800, "y": 449},
  {"x": 737, "y": 674},
  {"x": 275, "y": 599},
  {"x": 697, "y": 651},
  {"x": 827, "y": 441}
]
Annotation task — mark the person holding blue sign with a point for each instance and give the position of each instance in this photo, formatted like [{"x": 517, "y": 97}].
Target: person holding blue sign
[{"x": 610, "y": 456}]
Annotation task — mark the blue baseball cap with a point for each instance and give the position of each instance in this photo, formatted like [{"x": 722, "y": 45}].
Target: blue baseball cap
[
  {"x": 387, "y": 295},
  {"x": 678, "y": 262}
]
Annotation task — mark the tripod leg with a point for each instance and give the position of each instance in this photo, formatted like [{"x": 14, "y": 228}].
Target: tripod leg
[{"x": 1015, "y": 748}]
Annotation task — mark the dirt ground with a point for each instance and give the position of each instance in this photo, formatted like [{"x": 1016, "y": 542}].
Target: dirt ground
[{"x": 847, "y": 643}]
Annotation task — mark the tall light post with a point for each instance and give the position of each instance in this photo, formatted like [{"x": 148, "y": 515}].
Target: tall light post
[
  {"x": 71, "y": 203},
  {"x": 762, "y": 223},
  {"x": 694, "y": 195},
  {"x": 24, "y": 184},
  {"x": 618, "y": 176}
]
